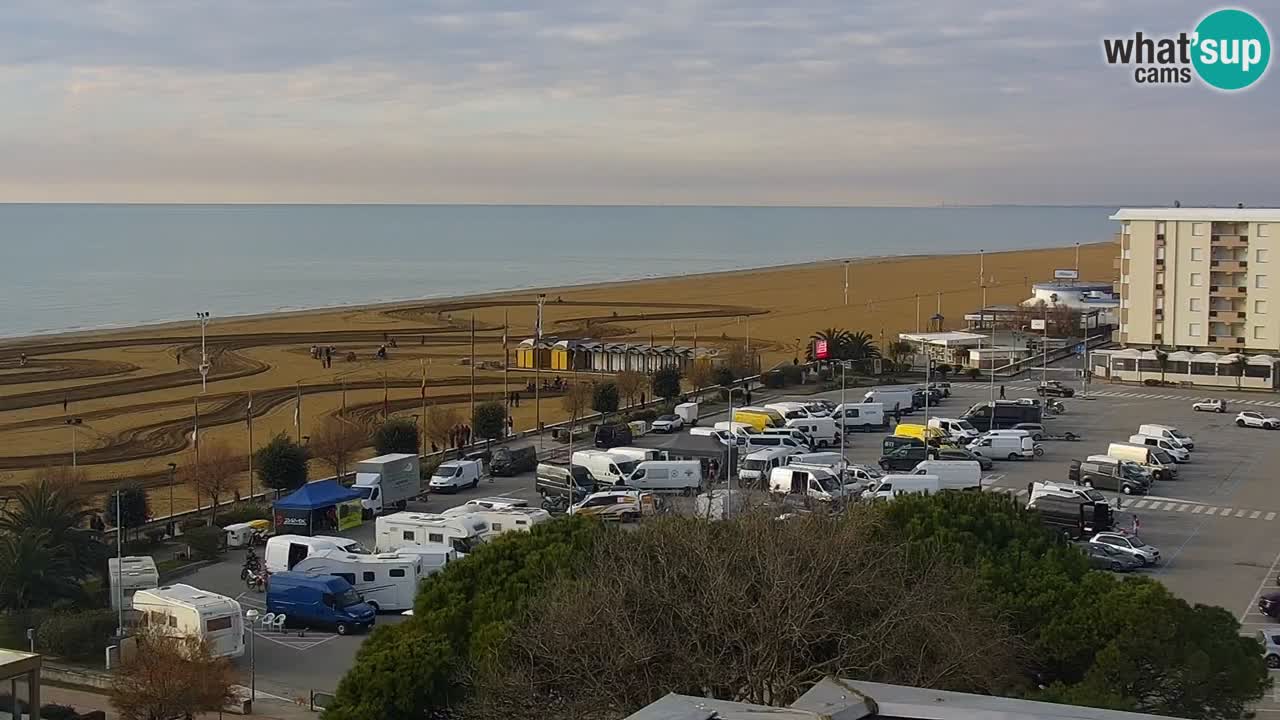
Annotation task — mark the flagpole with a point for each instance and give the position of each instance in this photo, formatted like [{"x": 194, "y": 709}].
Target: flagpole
[
  {"x": 473, "y": 369},
  {"x": 195, "y": 438},
  {"x": 386, "y": 400},
  {"x": 248, "y": 413},
  {"x": 506, "y": 364},
  {"x": 297, "y": 413},
  {"x": 422, "y": 433}
]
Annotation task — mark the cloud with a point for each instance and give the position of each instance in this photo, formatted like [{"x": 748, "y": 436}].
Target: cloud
[{"x": 818, "y": 101}]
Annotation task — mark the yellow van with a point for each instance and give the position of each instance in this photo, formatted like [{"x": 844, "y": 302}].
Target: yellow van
[
  {"x": 759, "y": 421},
  {"x": 930, "y": 435}
]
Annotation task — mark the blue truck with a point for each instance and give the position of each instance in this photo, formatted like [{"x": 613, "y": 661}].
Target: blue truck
[{"x": 311, "y": 599}]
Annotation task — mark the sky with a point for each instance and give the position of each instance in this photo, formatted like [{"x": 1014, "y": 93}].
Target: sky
[{"x": 808, "y": 102}]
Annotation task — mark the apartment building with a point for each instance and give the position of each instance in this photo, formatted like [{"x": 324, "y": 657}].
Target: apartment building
[{"x": 1200, "y": 279}]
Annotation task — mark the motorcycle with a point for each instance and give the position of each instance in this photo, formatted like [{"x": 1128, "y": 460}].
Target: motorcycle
[
  {"x": 251, "y": 565},
  {"x": 256, "y": 580},
  {"x": 1057, "y": 406},
  {"x": 555, "y": 504}
]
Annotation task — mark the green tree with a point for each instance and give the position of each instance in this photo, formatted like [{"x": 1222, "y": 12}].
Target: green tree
[
  {"x": 1162, "y": 359},
  {"x": 722, "y": 376},
  {"x": 860, "y": 346},
  {"x": 943, "y": 370},
  {"x": 490, "y": 421},
  {"x": 666, "y": 383},
  {"x": 837, "y": 340},
  {"x": 54, "y": 503},
  {"x": 281, "y": 463},
  {"x": 630, "y": 383},
  {"x": 461, "y": 615},
  {"x": 34, "y": 572},
  {"x": 135, "y": 508},
  {"x": 898, "y": 350},
  {"x": 397, "y": 435},
  {"x": 604, "y": 398}
]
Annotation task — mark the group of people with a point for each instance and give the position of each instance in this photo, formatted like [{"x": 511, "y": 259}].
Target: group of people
[
  {"x": 324, "y": 354},
  {"x": 553, "y": 385}
]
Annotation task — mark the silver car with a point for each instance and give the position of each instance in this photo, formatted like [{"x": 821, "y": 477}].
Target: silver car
[
  {"x": 1130, "y": 545},
  {"x": 1270, "y": 640}
]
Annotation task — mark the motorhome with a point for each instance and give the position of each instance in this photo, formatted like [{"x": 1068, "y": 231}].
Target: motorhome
[
  {"x": 128, "y": 575},
  {"x": 861, "y": 417},
  {"x": 891, "y": 486},
  {"x": 604, "y": 466},
  {"x": 386, "y": 581},
  {"x": 821, "y": 431},
  {"x": 757, "y": 465},
  {"x": 183, "y": 610},
  {"x": 954, "y": 428},
  {"x": 284, "y": 551},
  {"x": 1173, "y": 447},
  {"x": 898, "y": 399},
  {"x": 501, "y": 520},
  {"x": 813, "y": 483},
  {"x": 681, "y": 476},
  {"x": 1160, "y": 463},
  {"x": 952, "y": 474},
  {"x": 463, "y": 533},
  {"x": 1168, "y": 432}
]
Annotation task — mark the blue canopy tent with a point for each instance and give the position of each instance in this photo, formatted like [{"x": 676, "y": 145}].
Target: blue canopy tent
[{"x": 312, "y": 507}]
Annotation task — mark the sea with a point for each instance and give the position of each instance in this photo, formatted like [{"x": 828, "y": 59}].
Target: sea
[{"x": 67, "y": 267}]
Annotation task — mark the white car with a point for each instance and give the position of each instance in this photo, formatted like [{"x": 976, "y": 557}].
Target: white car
[
  {"x": 1217, "y": 406},
  {"x": 1131, "y": 545},
  {"x": 667, "y": 424},
  {"x": 1258, "y": 420},
  {"x": 1270, "y": 641}
]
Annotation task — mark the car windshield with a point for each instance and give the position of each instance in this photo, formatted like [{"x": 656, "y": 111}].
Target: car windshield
[
  {"x": 1180, "y": 435},
  {"x": 965, "y": 425},
  {"x": 626, "y": 467},
  {"x": 753, "y": 464},
  {"x": 366, "y": 492},
  {"x": 447, "y": 471},
  {"x": 466, "y": 545},
  {"x": 668, "y": 418},
  {"x": 347, "y": 599},
  {"x": 828, "y": 484},
  {"x": 1163, "y": 457}
]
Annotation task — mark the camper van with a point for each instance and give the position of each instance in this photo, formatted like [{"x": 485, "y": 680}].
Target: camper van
[
  {"x": 462, "y": 533},
  {"x": 604, "y": 466},
  {"x": 1013, "y": 447},
  {"x": 183, "y": 610},
  {"x": 1037, "y": 490},
  {"x": 682, "y": 476},
  {"x": 501, "y": 520},
  {"x": 284, "y": 551},
  {"x": 386, "y": 581},
  {"x": 821, "y": 431},
  {"x": 959, "y": 430},
  {"x": 861, "y": 417},
  {"x": 128, "y": 575},
  {"x": 891, "y": 486},
  {"x": 1169, "y": 433},
  {"x": 1173, "y": 447},
  {"x": 897, "y": 398}
]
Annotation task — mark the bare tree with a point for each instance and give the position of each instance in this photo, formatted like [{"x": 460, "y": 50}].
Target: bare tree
[
  {"x": 752, "y": 610},
  {"x": 440, "y": 424},
  {"x": 700, "y": 374},
  {"x": 336, "y": 440},
  {"x": 214, "y": 474},
  {"x": 576, "y": 399},
  {"x": 630, "y": 383},
  {"x": 170, "y": 677},
  {"x": 741, "y": 361}
]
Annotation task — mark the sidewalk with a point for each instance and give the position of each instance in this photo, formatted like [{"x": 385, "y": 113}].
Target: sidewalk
[{"x": 83, "y": 700}]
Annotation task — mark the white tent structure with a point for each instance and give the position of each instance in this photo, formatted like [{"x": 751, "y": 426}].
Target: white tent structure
[{"x": 1253, "y": 372}]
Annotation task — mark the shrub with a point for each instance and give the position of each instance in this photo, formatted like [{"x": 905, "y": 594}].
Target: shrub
[
  {"x": 50, "y": 711},
  {"x": 604, "y": 397},
  {"x": 245, "y": 513},
  {"x": 973, "y": 373},
  {"x": 773, "y": 379},
  {"x": 490, "y": 421},
  {"x": 205, "y": 542},
  {"x": 193, "y": 523},
  {"x": 156, "y": 535},
  {"x": 76, "y": 635},
  {"x": 722, "y": 376},
  {"x": 396, "y": 436},
  {"x": 666, "y": 383},
  {"x": 281, "y": 463},
  {"x": 792, "y": 374},
  {"x": 14, "y": 624},
  {"x": 645, "y": 415}
]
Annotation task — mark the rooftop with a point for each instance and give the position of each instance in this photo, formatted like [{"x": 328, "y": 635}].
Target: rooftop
[
  {"x": 14, "y": 663},
  {"x": 1204, "y": 214},
  {"x": 953, "y": 337}
]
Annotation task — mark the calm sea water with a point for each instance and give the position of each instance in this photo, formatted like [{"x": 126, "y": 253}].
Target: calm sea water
[{"x": 74, "y": 267}]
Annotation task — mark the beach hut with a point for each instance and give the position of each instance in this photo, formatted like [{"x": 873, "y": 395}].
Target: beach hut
[{"x": 532, "y": 354}]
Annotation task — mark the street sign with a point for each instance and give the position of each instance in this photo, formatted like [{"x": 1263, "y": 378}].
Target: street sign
[
  {"x": 820, "y": 349},
  {"x": 1066, "y": 274},
  {"x": 1037, "y": 324}
]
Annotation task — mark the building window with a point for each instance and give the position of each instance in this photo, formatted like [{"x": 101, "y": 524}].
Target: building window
[
  {"x": 1159, "y": 253},
  {"x": 1264, "y": 230},
  {"x": 1194, "y": 305},
  {"x": 1197, "y": 279},
  {"x": 1197, "y": 254},
  {"x": 1193, "y": 329},
  {"x": 397, "y": 573},
  {"x": 1260, "y": 281},
  {"x": 1125, "y": 228},
  {"x": 1263, "y": 254},
  {"x": 1160, "y": 278},
  {"x": 407, "y": 535},
  {"x": 435, "y": 538},
  {"x": 1124, "y": 280},
  {"x": 1160, "y": 228},
  {"x": 1259, "y": 332},
  {"x": 1260, "y": 307},
  {"x": 1159, "y": 303},
  {"x": 1197, "y": 229}
]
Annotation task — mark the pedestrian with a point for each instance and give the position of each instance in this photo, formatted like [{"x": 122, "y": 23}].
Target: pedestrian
[
  {"x": 22, "y": 359},
  {"x": 434, "y": 448},
  {"x": 748, "y": 396},
  {"x": 178, "y": 356},
  {"x": 1002, "y": 392},
  {"x": 393, "y": 342},
  {"x": 422, "y": 339},
  {"x": 643, "y": 398}
]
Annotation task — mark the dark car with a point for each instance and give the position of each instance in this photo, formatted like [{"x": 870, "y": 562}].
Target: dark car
[
  {"x": 905, "y": 457},
  {"x": 509, "y": 462},
  {"x": 1054, "y": 388},
  {"x": 1269, "y": 604},
  {"x": 557, "y": 480},
  {"x": 1105, "y": 557},
  {"x": 953, "y": 453},
  {"x": 612, "y": 436}
]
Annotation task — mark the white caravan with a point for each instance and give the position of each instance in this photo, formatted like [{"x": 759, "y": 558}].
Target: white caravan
[
  {"x": 182, "y": 610},
  {"x": 386, "y": 581},
  {"x": 501, "y": 520},
  {"x": 285, "y": 551},
  {"x": 462, "y": 533},
  {"x": 128, "y": 575}
]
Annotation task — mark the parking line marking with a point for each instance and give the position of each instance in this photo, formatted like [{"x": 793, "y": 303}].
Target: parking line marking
[
  {"x": 1182, "y": 508},
  {"x": 1254, "y": 515},
  {"x": 1240, "y": 513},
  {"x": 1199, "y": 509},
  {"x": 1226, "y": 511},
  {"x": 1140, "y": 504},
  {"x": 1211, "y": 511},
  {"x": 1270, "y": 516}
]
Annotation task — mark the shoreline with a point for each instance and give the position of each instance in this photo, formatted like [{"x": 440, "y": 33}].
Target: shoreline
[{"x": 29, "y": 339}]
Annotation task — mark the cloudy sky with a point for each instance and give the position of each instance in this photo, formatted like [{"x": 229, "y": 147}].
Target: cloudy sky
[{"x": 831, "y": 102}]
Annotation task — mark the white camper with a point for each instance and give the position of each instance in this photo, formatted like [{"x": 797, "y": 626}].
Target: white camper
[
  {"x": 462, "y": 533},
  {"x": 183, "y": 610},
  {"x": 501, "y": 520},
  {"x": 285, "y": 551},
  {"x": 387, "y": 581},
  {"x": 128, "y": 575}
]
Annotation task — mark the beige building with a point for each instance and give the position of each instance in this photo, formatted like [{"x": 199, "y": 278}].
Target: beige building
[{"x": 1200, "y": 279}]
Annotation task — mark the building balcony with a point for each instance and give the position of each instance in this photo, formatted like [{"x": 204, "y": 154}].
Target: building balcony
[
  {"x": 1230, "y": 241},
  {"x": 1226, "y": 265},
  {"x": 1229, "y": 342},
  {"x": 1228, "y": 291}
]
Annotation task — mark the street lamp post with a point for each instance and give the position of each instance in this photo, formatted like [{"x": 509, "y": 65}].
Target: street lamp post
[
  {"x": 203, "y": 317},
  {"x": 73, "y": 423},
  {"x": 173, "y": 469},
  {"x": 251, "y": 616}
]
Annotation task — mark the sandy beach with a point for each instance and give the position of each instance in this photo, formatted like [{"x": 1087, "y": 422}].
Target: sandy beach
[{"x": 135, "y": 390}]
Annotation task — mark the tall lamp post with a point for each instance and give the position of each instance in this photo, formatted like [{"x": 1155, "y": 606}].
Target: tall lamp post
[
  {"x": 74, "y": 423},
  {"x": 251, "y": 616},
  {"x": 203, "y": 317},
  {"x": 173, "y": 471}
]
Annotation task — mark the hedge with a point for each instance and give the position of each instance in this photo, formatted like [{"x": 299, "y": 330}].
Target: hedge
[
  {"x": 244, "y": 513},
  {"x": 205, "y": 542},
  {"x": 76, "y": 635}
]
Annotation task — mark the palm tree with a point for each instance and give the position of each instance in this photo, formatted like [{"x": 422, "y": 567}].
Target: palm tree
[
  {"x": 1162, "y": 359},
  {"x": 860, "y": 346},
  {"x": 1237, "y": 368},
  {"x": 837, "y": 340},
  {"x": 898, "y": 349},
  {"x": 34, "y": 572},
  {"x": 52, "y": 505}
]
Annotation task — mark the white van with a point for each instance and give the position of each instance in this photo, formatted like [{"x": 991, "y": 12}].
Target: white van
[
  {"x": 1014, "y": 447},
  {"x": 455, "y": 475},
  {"x": 757, "y": 466},
  {"x": 952, "y": 474},
  {"x": 285, "y": 551},
  {"x": 1158, "y": 461},
  {"x": 639, "y": 454},
  {"x": 764, "y": 442},
  {"x": 955, "y": 429},
  {"x": 793, "y": 410},
  {"x": 861, "y": 417},
  {"x": 182, "y": 610},
  {"x": 821, "y": 431},
  {"x": 1174, "y": 448},
  {"x": 128, "y": 575},
  {"x": 793, "y": 433},
  {"x": 891, "y": 486},
  {"x": 739, "y": 429},
  {"x": 898, "y": 398},
  {"x": 811, "y": 482},
  {"x": 1168, "y": 432},
  {"x": 679, "y": 476},
  {"x": 606, "y": 468},
  {"x": 461, "y": 533},
  {"x": 386, "y": 581}
]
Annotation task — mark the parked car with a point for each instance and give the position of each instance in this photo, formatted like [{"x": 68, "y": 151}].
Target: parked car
[
  {"x": 1054, "y": 388},
  {"x": 667, "y": 424},
  {"x": 1130, "y": 544},
  {"x": 1270, "y": 641},
  {"x": 1217, "y": 406},
  {"x": 1257, "y": 420},
  {"x": 1269, "y": 604},
  {"x": 622, "y": 504},
  {"x": 950, "y": 453},
  {"x": 612, "y": 435},
  {"x": 509, "y": 462},
  {"x": 1105, "y": 557},
  {"x": 1036, "y": 429}
]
